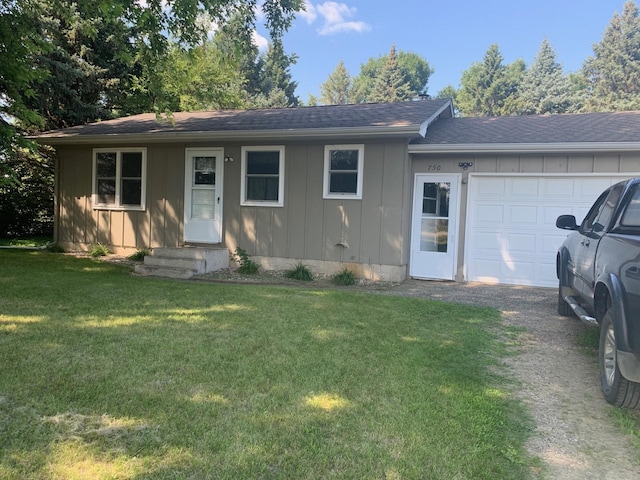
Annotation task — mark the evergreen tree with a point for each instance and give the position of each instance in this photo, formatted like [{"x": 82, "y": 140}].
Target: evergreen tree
[
  {"x": 336, "y": 90},
  {"x": 613, "y": 72},
  {"x": 544, "y": 88},
  {"x": 416, "y": 71},
  {"x": 391, "y": 85},
  {"x": 490, "y": 88},
  {"x": 270, "y": 84}
]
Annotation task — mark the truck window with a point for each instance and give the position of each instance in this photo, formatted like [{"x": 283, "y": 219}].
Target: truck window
[
  {"x": 631, "y": 216},
  {"x": 606, "y": 212},
  {"x": 602, "y": 210}
]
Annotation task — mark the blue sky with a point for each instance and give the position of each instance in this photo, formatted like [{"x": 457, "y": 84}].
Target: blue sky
[{"x": 449, "y": 34}]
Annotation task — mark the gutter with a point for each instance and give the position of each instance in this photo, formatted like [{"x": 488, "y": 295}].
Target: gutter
[
  {"x": 568, "y": 147},
  {"x": 162, "y": 136}
]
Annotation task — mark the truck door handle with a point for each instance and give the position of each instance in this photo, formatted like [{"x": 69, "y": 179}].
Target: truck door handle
[
  {"x": 585, "y": 243},
  {"x": 633, "y": 272}
]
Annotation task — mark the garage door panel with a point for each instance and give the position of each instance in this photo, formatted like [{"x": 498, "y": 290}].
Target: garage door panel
[
  {"x": 511, "y": 232},
  {"x": 525, "y": 187},
  {"x": 527, "y": 214}
]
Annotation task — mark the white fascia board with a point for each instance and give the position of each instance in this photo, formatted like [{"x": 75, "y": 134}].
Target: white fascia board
[
  {"x": 527, "y": 147},
  {"x": 424, "y": 126},
  {"x": 407, "y": 131}
]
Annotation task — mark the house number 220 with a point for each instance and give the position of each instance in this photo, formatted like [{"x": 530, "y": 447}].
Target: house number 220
[{"x": 434, "y": 168}]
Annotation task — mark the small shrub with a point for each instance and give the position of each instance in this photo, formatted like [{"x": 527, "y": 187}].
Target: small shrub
[
  {"x": 99, "y": 250},
  {"x": 55, "y": 248},
  {"x": 139, "y": 255},
  {"x": 299, "y": 272},
  {"x": 344, "y": 278},
  {"x": 247, "y": 266}
]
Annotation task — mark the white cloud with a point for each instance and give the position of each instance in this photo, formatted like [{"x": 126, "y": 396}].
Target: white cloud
[
  {"x": 335, "y": 16},
  {"x": 309, "y": 13},
  {"x": 261, "y": 42}
]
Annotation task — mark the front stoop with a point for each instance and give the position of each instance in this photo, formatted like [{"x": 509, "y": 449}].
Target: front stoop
[{"x": 183, "y": 262}]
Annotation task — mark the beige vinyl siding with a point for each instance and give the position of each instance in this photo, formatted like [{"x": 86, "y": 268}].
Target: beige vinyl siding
[
  {"x": 80, "y": 225},
  {"x": 309, "y": 227}
]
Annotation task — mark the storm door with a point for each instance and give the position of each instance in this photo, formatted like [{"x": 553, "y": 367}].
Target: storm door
[
  {"x": 203, "y": 195},
  {"x": 434, "y": 226}
]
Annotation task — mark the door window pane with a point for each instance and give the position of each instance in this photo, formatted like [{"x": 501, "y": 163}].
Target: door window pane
[
  {"x": 435, "y": 199},
  {"x": 434, "y": 235},
  {"x": 204, "y": 170}
]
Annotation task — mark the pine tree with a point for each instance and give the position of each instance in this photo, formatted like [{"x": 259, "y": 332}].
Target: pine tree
[
  {"x": 613, "y": 72},
  {"x": 336, "y": 90},
  {"x": 489, "y": 88},
  {"x": 391, "y": 85},
  {"x": 544, "y": 88},
  {"x": 416, "y": 71}
]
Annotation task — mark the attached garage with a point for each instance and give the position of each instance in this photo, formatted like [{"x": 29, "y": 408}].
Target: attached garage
[
  {"x": 516, "y": 176},
  {"x": 511, "y": 233}
]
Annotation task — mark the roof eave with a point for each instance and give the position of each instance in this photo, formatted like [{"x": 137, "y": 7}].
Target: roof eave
[
  {"x": 404, "y": 131},
  {"x": 569, "y": 147}
]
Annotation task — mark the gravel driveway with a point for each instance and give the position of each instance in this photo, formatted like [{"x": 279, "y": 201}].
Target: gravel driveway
[{"x": 576, "y": 435}]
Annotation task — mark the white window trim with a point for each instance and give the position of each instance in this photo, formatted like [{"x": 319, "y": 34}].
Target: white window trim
[
  {"x": 117, "y": 205},
  {"x": 327, "y": 164},
  {"x": 243, "y": 182}
]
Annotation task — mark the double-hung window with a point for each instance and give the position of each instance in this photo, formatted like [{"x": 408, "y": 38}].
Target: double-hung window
[
  {"x": 262, "y": 176},
  {"x": 119, "y": 178},
  {"x": 343, "y": 171}
]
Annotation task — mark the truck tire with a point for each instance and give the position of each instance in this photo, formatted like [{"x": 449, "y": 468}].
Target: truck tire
[
  {"x": 564, "y": 309},
  {"x": 617, "y": 390}
]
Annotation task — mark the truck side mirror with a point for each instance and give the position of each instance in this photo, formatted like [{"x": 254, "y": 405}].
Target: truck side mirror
[{"x": 567, "y": 222}]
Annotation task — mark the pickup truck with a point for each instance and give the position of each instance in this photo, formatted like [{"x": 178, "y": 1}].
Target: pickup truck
[{"x": 598, "y": 268}]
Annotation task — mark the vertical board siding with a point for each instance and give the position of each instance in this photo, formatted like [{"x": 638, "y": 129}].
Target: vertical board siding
[{"x": 306, "y": 227}]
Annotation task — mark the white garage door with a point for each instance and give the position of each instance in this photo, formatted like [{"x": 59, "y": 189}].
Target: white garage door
[{"x": 511, "y": 236}]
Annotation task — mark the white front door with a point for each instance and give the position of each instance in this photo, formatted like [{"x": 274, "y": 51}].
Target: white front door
[
  {"x": 434, "y": 226},
  {"x": 203, "y": 195}
]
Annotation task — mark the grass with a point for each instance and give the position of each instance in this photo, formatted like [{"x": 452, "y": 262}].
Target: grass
[
  {"x": 107, "y": 375},
  {"x": 25, "y": 242},
  {"x": 299, "y": 272}
]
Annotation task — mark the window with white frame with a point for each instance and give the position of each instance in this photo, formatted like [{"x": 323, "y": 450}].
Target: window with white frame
[
  {"x": 119, "y": 176},
  {"x": 343, "y": 171},
  {"x": 262, "y": 176}
]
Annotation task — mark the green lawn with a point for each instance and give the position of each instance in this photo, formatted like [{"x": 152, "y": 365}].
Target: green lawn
[{"x": 107, "y": 375}]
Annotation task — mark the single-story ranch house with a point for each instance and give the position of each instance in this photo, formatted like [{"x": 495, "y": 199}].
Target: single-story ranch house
[{"x": 386, "y": 190}]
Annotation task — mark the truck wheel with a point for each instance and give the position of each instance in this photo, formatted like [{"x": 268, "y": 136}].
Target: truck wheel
[
  {"x": 617, "y": 390},
  {"x": 564, "y": 309}
]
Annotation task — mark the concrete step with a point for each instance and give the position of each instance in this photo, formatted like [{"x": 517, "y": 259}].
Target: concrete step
[
  {"x": 198, "y": 265},
  {"x": 166, "y": 272},
  {"x": 183, "y": 262}
]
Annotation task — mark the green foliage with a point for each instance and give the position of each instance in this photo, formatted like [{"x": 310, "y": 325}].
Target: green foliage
[
  {"x": 320, "y": 384},
  {"x": 299, "y": 272},
  {"x": 391, "y": 84},
  {"x": 99, "y": 250},
  {"x": 246, "y": 265},
  {"x": 413, "y": 68},
  {"x": 613, "y": 72},
  {"x": 26, "y": 203},
  {"x": 337, "y": 88},
  {"x": 544, "y": 88},
  {"x": 344, "y": 278},
  {"x": 139, "y": 255},
  {"x": 490, "y": 88}
]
